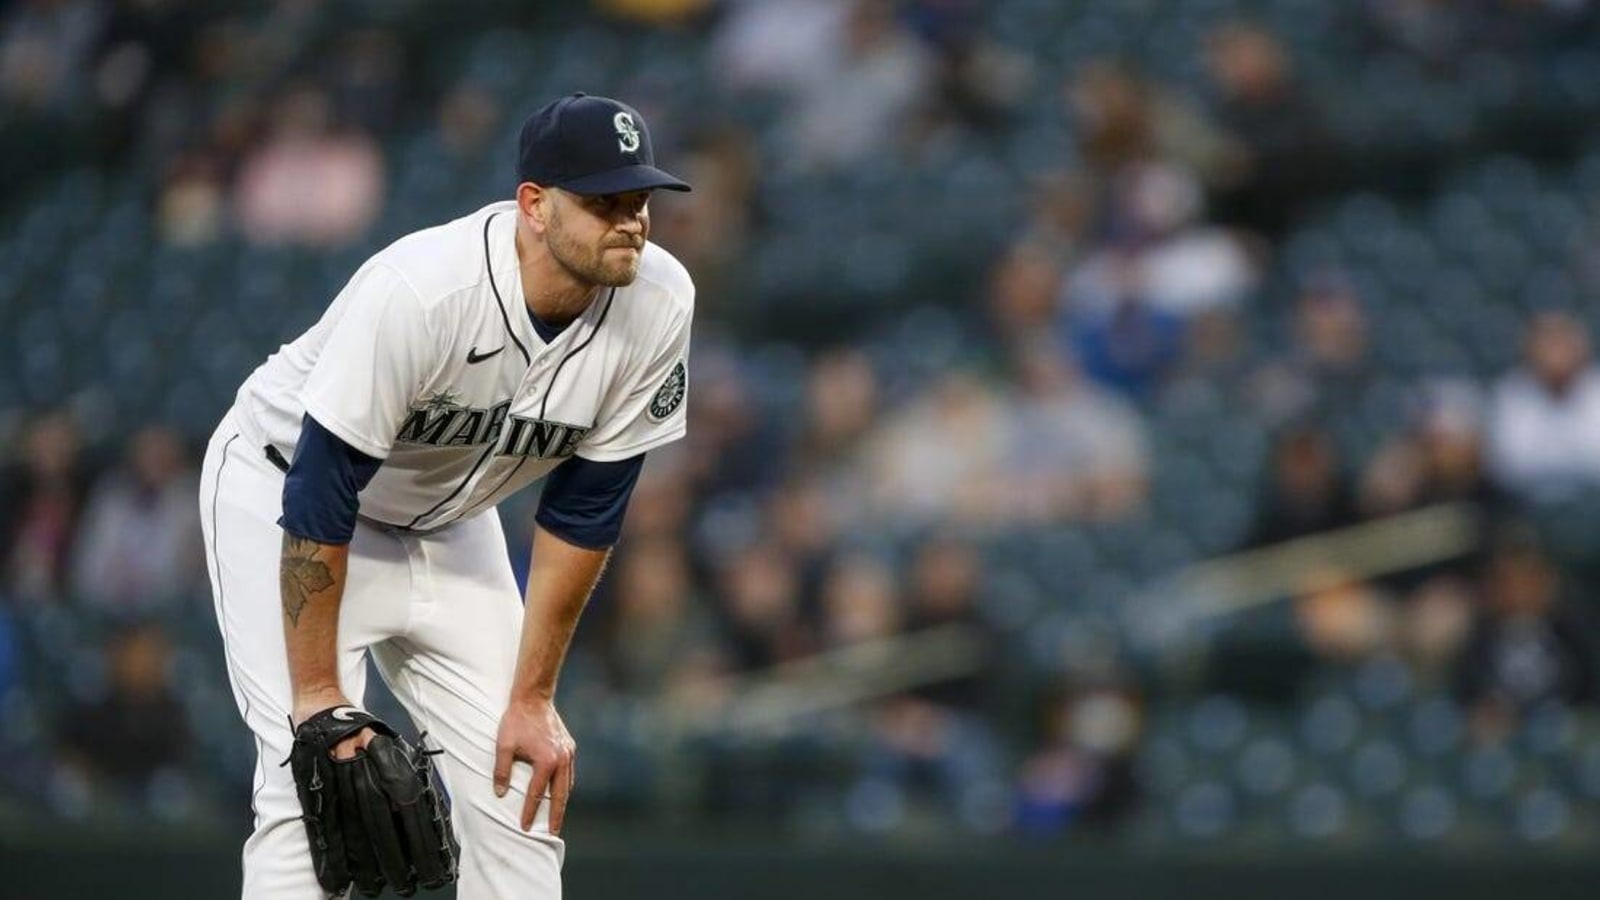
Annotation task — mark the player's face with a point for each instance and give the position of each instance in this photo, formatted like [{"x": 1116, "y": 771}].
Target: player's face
[{"x": 598, "y": 239}]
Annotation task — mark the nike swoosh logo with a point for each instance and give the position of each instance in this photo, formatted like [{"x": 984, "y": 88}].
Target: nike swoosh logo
[
  {"x": 345, "y": 713},
  {"x": 474, "y": 357}
]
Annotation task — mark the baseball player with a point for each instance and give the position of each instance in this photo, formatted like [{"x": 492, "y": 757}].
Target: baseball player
[{"x": 542, "y": 336}]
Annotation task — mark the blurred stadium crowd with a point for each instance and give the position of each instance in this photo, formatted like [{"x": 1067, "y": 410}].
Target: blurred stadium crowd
[{"x": 1007, "y": 310}]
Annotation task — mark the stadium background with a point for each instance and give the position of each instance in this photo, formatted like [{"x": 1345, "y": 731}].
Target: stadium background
[{"x": 1029, "y": 333}]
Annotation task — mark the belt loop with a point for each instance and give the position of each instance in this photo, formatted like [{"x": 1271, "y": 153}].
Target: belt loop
[{"x": 275, "y": 457}]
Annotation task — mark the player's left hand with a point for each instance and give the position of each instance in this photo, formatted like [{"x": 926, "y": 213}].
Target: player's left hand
[
  {"x": 535, "y": 734},
  {"x": 375, "y": 817}
]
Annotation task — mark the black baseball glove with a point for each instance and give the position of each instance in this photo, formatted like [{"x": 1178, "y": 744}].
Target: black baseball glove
[{"x": 375, "y": 819}]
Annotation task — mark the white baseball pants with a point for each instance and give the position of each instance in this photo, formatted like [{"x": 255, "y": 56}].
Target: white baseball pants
[{"x": 441, "y": 617}]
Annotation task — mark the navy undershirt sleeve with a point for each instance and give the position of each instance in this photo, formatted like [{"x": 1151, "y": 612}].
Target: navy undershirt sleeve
[
  {"x": 319, "y": 491},
  {"x": 584, "y": 501}
]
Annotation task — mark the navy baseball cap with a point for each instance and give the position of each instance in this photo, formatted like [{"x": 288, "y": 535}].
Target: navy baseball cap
[{"x": 590, "y": 145}]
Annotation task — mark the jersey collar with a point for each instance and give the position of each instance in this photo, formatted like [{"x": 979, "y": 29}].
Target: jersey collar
[{"x": 505, "y": 280}]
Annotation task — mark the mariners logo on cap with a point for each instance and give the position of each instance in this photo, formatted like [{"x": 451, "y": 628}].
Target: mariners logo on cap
[
  {"x": 670, "y": 395},
  {"x": 627, "y": 132}
]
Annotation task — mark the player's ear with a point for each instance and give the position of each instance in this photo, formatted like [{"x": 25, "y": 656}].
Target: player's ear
[{"x": 533, "y": 202}]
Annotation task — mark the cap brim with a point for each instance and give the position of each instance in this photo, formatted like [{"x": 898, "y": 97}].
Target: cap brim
[{"x": 623, "y": 180}]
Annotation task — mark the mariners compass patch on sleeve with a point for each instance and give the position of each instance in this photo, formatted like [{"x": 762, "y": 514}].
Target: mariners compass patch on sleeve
[{"x": 670, "y": 395}]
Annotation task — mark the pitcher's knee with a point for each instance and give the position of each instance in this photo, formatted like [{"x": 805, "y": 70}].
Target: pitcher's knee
[{"x": 500, "y": 861}]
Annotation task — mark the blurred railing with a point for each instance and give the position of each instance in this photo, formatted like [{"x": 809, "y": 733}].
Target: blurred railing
[{"x": 1174, "y": 605}]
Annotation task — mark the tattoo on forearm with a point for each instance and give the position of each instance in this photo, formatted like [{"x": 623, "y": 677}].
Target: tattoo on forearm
[{"x": 301, "y": 574}]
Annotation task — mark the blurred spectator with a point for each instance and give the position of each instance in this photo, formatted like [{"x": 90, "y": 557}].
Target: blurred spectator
[
  {"x": 860, "y": 602},
  {"x": 1331, "y": 338},
  {"x": 1257, "y": 99},
  {"x": 661, "y": 502},
  {"x": 1125, "y": 306},
  {"x": 41, "y": 496},
  {"x": 1123, "y": 343},
  {"x": 1544, "y": 422},
  {"x": 982, "y": 83},
  {"x": 1022, "y": 292},
  {"x": 1074, "y": 451},
  {"x": 139, "y": 545},
  {"x": 43, "y": 45},
  {"x": 1063, "y": 213},
  {"x": 1186, "y": 268},
  {"x": 1025, "y": 285},
  {"x": 853, "y": 78},
  {"x": 1160, "y": 252},
  {"x": 760, "y": 591},
  {"x": 945, "y": 579},
  {"x": 708, "y": 229},
  {"x": 927, "y": 750},
  {"x": 658, "y": 623},
  {"x": 857, "y": 102},
  {"x": 940, "y": 458},
  {"x": 841, "y": 407},
  {"x": 1327, "y": 372},
  {"x": 1110, "y": 108},
  {"x": 1436, "y": 622},
  {"x": 143, "y": 49},
  {"x": 1216, "y": 357},
  {"x": 191, "y": 209},
  {"x": 310, "y": 182},
  {"x": 931, "y": 741},
  {"x": 1440, "y": 459},
  {"x": 1529, "y": 645},
  {"x": 1341, "y": 619},
  {"x": 365, "y": 78},
  {"x": 804, "y": 520},
  {"x": 1124, "y": 119},
  {"x": 731, "y": 447},
  {"x": 466, "y": 120},
  {"x": 1084, "y": 772},
  {"x": 1307, "y": 490},
  {"x": 775, "y": 45},
  {"x": 138, "y": 727},
  {"x": 946, "y": 574}
]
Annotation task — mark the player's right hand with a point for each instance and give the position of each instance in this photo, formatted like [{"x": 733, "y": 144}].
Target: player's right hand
[{"x": 534, "y": 733}]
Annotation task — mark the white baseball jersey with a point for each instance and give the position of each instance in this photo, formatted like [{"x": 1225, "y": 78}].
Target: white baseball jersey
[{"x": 428, "y": 360}]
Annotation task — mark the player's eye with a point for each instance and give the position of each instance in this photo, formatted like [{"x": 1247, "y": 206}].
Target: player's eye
[{"x": 610, "y": 205}]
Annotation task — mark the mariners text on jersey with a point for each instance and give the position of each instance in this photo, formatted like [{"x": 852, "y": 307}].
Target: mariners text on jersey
[
  {"x": 440, "y": 422},
  {"x": 428, "y": 360}
]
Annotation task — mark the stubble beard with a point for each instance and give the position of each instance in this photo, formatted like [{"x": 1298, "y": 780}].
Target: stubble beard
[{"x": 591, "y": 266}]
